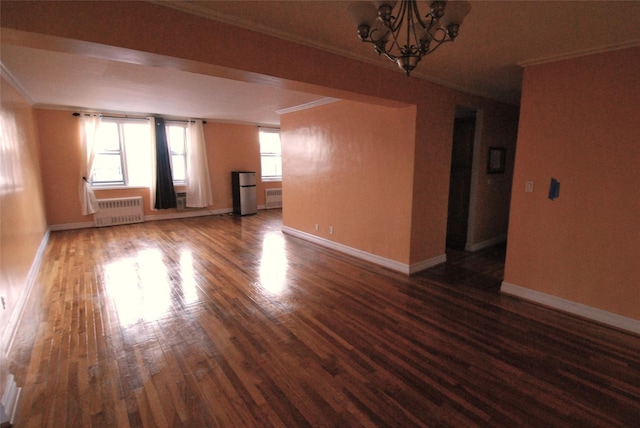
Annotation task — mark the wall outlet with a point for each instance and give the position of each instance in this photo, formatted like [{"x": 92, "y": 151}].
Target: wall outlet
[
  {"x": 528, "y": 186},
  {"x": 330, "y": 230},
  {"x": 317, "y": 227}
]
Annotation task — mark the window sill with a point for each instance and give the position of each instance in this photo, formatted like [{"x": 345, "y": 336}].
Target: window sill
[
  {"x": 271, "y": 180},
  {"x": 117, "y": 187}
]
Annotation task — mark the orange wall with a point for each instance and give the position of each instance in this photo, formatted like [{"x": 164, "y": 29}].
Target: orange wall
[
  {"x": 232, "y": 148},
  {"x": 229, "y": 147},
  {"x": 97, "y": 27},
  {"x": 434, "y": 141},
  {"x": 579, "y": 124},
  {"x": 494, "y": 190},
  {"x": 345, "y": 167},
  {"x": 22, "y": 219},
  {"x": 432, "y": 166},
  {"x": 61, "y": 161}
]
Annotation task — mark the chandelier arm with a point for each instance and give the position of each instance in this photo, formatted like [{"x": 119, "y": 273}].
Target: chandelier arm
[
  {"x": 380, "y": 48},
  {"x": 438, "y": 45},
  {"x": 440, "y": 39},
  {"x": 395, "y": 22},
  {"x": 378, "y": 44},
  {"x": 416, "y": 13},
  {"x": 395, "y": 25},
  {"x": 411, "y": 27},
  {"x": 419, "y": 29},
  {"x": 394, "y": 45},
  {"x": 390, "y": 56}
]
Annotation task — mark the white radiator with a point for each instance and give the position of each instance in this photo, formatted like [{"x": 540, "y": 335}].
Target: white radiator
[
  {"x": 273, "y": 198},
  {"x": 112, "y": 212}
]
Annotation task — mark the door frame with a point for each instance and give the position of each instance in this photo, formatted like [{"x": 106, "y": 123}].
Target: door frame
[
  {"x": 476, "y": 171},
  {"x": 475, "y": 180}
]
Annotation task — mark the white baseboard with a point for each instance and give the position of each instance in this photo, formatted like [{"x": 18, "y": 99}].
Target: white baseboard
[
  {"x": 426, "y": 264},
  {"x": 71, "y": 226},
  {"x": 186, "y": 214},
  {"x": 11, "y": 329},
  {"x": 485, "y": 244},
  {"x": 589, "y": 312},
  {"x": 11, "y": 394},
  {"x": 363, "y": 255},
  {"x": 382, "y": 261},
  {"x": 10, "y": 401}
]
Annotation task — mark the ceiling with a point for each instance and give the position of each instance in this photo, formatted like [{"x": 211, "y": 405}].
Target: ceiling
[{"x": 496, "y": 40}]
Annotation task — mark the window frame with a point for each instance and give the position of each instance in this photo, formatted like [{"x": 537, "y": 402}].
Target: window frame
[
  {"x": 266, "y": 154},
  {"x": 121, "y": 154},
  {"x": 185, "y": 127}
]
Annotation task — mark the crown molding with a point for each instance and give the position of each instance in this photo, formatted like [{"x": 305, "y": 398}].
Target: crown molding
[
  {"x": 4, "y": 71},
  {"x": 306, "y": 106},
  {"x": 578, "y": 54}
]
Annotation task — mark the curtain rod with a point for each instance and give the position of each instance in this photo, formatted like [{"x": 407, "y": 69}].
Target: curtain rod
[{"x": 134, "y": 118}]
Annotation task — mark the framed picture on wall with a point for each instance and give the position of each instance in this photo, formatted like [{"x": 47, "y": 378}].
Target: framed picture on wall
[{"x": 495, "y": 164}]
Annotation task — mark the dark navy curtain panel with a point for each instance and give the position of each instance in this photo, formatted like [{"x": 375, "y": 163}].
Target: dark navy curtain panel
[{"x": 165, "y": 193}]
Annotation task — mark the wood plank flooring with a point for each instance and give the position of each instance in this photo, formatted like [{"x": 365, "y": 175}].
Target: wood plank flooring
[{"x": 224, "y": 321}]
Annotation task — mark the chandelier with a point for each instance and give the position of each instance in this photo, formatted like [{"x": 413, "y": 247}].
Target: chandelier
[{"x": 403, "y": 35}]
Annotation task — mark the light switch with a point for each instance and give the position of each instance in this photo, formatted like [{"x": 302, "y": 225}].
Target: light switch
[
  {"x": 528, "y": 187},
  {"x": 554, "y": 189}
]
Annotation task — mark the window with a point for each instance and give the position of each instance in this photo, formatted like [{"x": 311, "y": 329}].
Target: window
[
  {"x": 177, "y": 137},
  {"x": 123, "y": 153},
  {"x": 270, "y": 154},
  {"x": 108, "y": 164}
]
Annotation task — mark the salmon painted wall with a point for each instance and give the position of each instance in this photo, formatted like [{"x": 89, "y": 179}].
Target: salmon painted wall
[
  {"x": 346, "y": 168},
  {"x": 61, "y": 161},
  {"x": 434, "y": 141},
  {"x": 229, "y": 147},
  {"x": 22, "y": 218},
  {"x": 494, "y": 190},
  {"x": 432, "y": 165},
  {"x": 97, "y": 27},
  {"x": 579, "y": 124},
  {"x": 232, "y": 147}
]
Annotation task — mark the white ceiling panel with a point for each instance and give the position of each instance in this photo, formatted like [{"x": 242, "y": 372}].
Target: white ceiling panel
[{"x": 86, "y": 83}]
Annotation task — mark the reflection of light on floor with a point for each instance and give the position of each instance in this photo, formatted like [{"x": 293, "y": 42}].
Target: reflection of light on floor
[
  {"x": 139, "y": 287},
  {"x": 187, "y": 274},
  {"x": 273, "y": 264}
]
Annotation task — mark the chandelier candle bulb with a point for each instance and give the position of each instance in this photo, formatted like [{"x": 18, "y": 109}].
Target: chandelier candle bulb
[
  {"x": 402, "y": 34},
  {"x": 456, "y": 12}
]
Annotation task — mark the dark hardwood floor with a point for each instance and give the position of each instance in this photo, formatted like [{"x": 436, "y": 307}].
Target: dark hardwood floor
[{"x": 225, "y": 321}]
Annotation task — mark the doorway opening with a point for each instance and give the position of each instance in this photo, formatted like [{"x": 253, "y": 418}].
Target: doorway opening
[{"x": 461, "y": 204}]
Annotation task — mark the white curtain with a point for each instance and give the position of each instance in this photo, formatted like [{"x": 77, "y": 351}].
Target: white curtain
[
  {"x": 89, "y": 131},
  {"x": 198, "y": 180},
  {"x": 154, "y": 170}
]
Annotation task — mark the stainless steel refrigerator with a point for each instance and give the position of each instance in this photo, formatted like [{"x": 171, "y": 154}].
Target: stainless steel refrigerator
[{"x": 243, "y": 185}]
